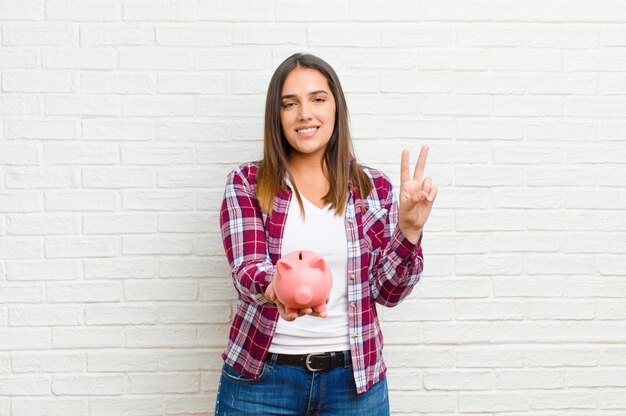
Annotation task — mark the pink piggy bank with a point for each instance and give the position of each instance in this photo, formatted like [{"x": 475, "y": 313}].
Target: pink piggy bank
[{"x": 303, "y": 280}]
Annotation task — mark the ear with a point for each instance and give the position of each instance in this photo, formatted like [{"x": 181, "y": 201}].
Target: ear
[
  {"x": 283, "y": 266},
  {"x": 318, "y": 263}
]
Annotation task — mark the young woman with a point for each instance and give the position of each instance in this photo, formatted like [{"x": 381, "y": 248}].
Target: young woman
[{"x": 310, "y": 193}]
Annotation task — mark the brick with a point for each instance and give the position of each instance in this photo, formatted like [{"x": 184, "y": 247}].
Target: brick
[
  {"x": 119, "y": 315},
  {"x": 41, "y": 129},
  {"x": 194, "y": 84},
  {"x": 39, "y": 315},
  {"x": 426, "y": 34},
  {"x": 21, "y": 58},
  {"x": 561, "y": 310},
  {"x": 14, "y": 104},
  {"x": 422, "y": 402},
  {"x": 451, "y": 10},
  {"x": 251, "y": 57},
  {"x": 88, "y": 385},
  {"x": 83, "y": 58},
  {"x": 155, "y": 58},
  {"x": 18, "y": 154},
  {"x": 226, "y": 106},
  {"x": 131, "y": 223},
  {"x": 22, "y": 10},
  {"x": 24, "y": 386},
  {"x": 164, "y": 105},
  {"x": 405, "y": 82},
  {"x": 548, "y": 130},
  {"x": 156, "y": 155},
  {"x": 469, "y": 356},
  {"x": 83, "y": 200},
  {"x": 43, "y": 270},
  {"x": 117, "y": 129},
  {"x": 41, "y": 177},
  {"x": 36, "y": 34},
  {"x": 189, "y": 223},
  {"x": 120, "y": 268},
  {"x": 78, "y": 247},
  {"x": 163, "y": 200},
  {"x": 160, "y": 290},
  {"x": 519, "y": 379},
  {"x": 492, "y": 402},
  {"x": 38, "y": 224},
  {"x": 424, "y": 310},
  {"x": 196, "y": 35},
  {"x": 83, "y": 292},
  {"x": 458, "y": 380},
  {"x": 200, "y": 404},
  {"x": 523, "y": 242},
  {"x": 200, "y": 360},
  {"x": 53, "y": 407},
  {"x": 122, "y": 361},
  {"x": 563, "y": 84},
  {"x": 12, "y": 248},
  {"x": 193, "y": 10},
  {"x": 159, "y": 336},
  {"x": 21, "y": 294},
  {"x": 24, "y": 338},
  {"x": 486, "y": 36},
  {"x": 38, "y": 81},
  {"x": 268, "y": 34},
  {"x": 488, "y": 310},
  {"x": 85, "y": 338},
  {"x": 455, "y": 288},
  {"x": 82, "y": 105},
  {"x": 156, "y": 244},
  {"x": 453, "y": 333},
  {"x": 84, "y": 11},
  {"x": 456, "y": 105},
  {"x": 453, "y": 59},
  {"x": 118, "y": 177},
  {"x": 112, "y": 34},
  {"x": 200, "y": 314},
  {"x": 48, "y": 362},
  {"x": 192, "y": 131},
  {"x": 470, "y": 83},
  {"x": 127, "y": 406},
  {"x": 107, "y": 83}
]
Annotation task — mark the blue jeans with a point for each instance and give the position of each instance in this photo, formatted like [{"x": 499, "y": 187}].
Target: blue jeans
[{"x": 289, "y": 390}]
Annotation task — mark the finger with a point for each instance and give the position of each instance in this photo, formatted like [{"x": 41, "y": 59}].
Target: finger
[
  {"x": 305, "y": 311},
  {"x": 432, "y": 195},
  {"x": 404, "y": 166},
  {"x": 421, "y": 164},
  {"x": 427, "y": 185}
]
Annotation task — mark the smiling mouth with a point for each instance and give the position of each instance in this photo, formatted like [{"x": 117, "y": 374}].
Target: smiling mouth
[{"x": 307, "y": 132}]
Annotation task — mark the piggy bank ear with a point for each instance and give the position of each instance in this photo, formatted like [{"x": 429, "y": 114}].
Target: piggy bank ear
[
  {"x": 318, "y": 263},
  {"x": 283, "y": 266}
]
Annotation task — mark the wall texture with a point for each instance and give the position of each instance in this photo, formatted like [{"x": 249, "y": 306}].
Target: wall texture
[{"x": 119, "y": 120}]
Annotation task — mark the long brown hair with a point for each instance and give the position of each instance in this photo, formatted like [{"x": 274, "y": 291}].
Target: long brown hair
[{"x": 343, "y": 169}]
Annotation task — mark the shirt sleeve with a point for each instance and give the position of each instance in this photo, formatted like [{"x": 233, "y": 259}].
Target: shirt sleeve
[
  {"x": 243, "y": 235},
  {"x": 398, "y": 266}
]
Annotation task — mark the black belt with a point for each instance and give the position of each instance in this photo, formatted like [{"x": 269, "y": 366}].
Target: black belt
[{"x": 314, "y": 361}]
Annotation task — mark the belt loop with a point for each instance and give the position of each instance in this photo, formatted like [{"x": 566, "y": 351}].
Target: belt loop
[
  {"x": 346, "y": 359},
  {"x": 271, "y": 363}
]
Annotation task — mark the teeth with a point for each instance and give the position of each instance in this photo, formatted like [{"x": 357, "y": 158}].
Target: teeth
[{"x": 309, "y": 130}]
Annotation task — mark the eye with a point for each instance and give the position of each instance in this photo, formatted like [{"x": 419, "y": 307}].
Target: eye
[
  {"x": 319, "y": 100},
  {"x": 287, "y": 105}
]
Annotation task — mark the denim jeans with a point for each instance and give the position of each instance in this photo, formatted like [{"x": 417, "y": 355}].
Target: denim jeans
[{"x": 289, "y": 390}]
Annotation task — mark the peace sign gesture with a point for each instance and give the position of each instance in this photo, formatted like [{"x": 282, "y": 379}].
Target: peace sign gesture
[{"x": 416, "y": 196}]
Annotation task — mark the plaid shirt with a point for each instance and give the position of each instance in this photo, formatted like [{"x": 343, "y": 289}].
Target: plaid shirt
[{"x": 383, "y": 267}]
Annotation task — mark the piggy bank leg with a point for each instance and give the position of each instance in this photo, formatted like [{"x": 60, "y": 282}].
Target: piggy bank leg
[{"x": 320, "y": 308}]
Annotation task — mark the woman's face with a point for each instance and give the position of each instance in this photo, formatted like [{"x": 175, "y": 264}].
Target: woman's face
[{"x": 307, "y": 112}]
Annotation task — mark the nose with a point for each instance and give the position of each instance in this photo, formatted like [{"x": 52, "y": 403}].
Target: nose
[{"x": 304, "y": 112}]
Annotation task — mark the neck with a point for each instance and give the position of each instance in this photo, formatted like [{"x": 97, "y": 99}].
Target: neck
[{"x": 310, "y": 166}]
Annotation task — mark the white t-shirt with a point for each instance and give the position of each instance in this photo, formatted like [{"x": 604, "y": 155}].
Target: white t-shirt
[{"x": 324, "y": 233}]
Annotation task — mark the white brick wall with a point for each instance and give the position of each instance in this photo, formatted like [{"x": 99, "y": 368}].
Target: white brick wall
[{"x": 119, "y": 120}]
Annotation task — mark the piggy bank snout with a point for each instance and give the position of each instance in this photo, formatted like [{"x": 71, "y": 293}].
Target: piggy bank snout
[{"x": 303, "y": 295}]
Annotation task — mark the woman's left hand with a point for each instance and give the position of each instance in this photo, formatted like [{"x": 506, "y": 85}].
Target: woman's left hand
[{"x": 416, "y": 196}]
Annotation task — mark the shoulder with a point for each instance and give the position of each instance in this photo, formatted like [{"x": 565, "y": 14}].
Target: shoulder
[
  {"x": 382, "y": 186},
  {"x": 243, "y": 174}
]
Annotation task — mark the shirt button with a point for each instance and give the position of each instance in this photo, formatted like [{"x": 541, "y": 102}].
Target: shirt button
[
  {"x": 354, "y": 244},
  {"x": 353, "y": 336},
  {"x": 351, "y": 221},
  {"x": 351, "y": 277},
  {"x": 353, "y": 304}
]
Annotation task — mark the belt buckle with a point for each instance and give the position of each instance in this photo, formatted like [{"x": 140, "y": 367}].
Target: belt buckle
[{"x": 307, "y": 362}]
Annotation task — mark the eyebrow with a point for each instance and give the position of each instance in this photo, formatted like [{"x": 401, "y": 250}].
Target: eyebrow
[{"x": 311, "y": 93}]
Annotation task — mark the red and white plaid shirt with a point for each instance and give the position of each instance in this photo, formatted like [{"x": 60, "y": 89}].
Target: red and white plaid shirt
[{"x": 383, "y": 267}]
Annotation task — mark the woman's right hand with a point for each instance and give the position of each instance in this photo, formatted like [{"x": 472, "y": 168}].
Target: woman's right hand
[{"x": 271, "y": 296}]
